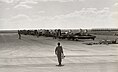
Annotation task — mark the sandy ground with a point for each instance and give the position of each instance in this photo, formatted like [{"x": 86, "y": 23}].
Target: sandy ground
[{"x": 32, "y": 54}]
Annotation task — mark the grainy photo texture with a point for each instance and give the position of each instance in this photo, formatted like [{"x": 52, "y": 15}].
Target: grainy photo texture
[{"x": 58, "y": 35}]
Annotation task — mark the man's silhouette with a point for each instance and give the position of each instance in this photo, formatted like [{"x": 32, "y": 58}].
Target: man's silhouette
[
  {"x": 59, "y": 52},
  {"x": 19, "y": 34}
]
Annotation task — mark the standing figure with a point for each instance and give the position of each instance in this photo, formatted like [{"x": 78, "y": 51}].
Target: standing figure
[
  {"x": 59, "y": 53},
  {"x": 55, "y": 34},
  {"x": 58, "y": 32},
  {"x": 19, "y": 34}
]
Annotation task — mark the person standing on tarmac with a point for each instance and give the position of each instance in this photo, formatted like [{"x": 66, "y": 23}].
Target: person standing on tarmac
[
  {"x": 19, "y": 34},
  {"x": 59, "y": 53}
]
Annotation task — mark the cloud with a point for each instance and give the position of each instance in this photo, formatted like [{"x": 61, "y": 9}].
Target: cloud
[
  {"x": 87, "y": 12},
  {"x": 7, "y": 1},
  {"x": 116, "y": 4},
  {"x": 115, "y": 7},
  {"x": 36, "y": 1},
  {"x": 29, "y": 2},
  {"x": 22, "y": 5},
  {"x": 85, "y": 18},
  {"x": 21, "y": 16},
  {"x": 59, "y": 0},
  {"x": 21, "y": 21},
  {"x": 115, "y": 15}
]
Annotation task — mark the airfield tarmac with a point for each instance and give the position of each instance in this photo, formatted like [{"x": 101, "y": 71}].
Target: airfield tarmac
[{"x": 32, "y": 54}]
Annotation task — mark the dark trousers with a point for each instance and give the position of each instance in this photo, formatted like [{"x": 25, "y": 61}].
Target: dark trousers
[
  {"x": 59, "y": 59},
  {"x": 19, "y": 36}
]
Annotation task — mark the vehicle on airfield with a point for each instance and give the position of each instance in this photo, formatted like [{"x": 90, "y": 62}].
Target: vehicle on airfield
[
  {"x": 57, "y": 33},
  {"x": 116, "y": 34},
  {"x": 76, "y": 36},
  {"x": 63, "y": 36},
  {"x": 23, "y": 32}
]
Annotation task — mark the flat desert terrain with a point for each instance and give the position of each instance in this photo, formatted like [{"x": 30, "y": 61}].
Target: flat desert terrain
[{"x": 32, "y": 54}]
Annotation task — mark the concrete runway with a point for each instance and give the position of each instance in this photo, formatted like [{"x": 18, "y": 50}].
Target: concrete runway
[{"x": 32, "y": 54}]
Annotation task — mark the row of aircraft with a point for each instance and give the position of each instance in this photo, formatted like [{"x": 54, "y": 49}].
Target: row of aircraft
[{"x": 58, "y": 33}]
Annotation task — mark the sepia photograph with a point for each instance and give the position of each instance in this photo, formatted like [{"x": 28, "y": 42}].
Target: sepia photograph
[{"x": 58, "y": 35}]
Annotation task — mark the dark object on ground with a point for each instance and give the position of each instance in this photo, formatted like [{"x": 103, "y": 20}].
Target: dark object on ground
[
  {"x": 76, "y": 36},
  {"x": 116, "y": 34},
  {"x": 103, "y": 42},
  {"x": 108, "y": 42}
]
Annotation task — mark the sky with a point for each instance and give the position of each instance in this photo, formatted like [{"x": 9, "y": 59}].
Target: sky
[{"x": 29, "y": 14}]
